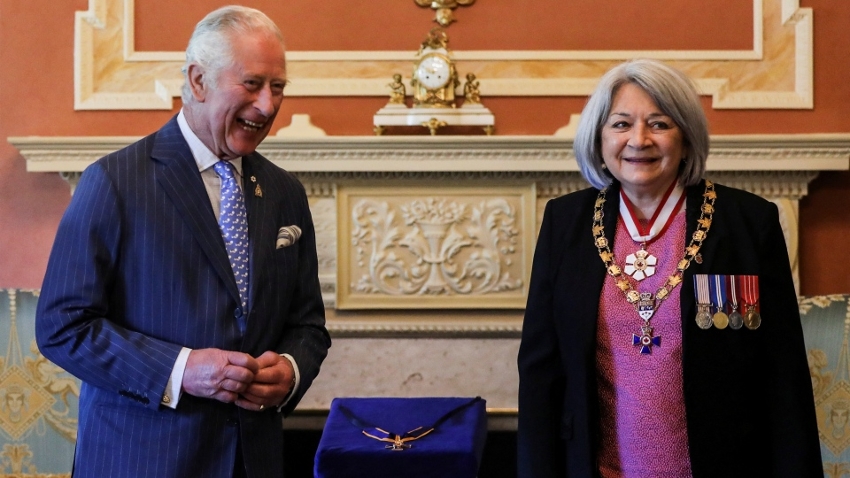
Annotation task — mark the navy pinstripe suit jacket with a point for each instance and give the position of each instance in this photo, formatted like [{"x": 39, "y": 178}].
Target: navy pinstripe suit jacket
[{"x": 139, "y": 270}]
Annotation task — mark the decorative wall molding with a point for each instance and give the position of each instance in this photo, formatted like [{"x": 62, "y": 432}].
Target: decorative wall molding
[
  {"x": 776, "y": 72},
  {"x": 468, "y": 245},
  {"x": 778, "y": 167},
  {"x": 331, "y": 158}
]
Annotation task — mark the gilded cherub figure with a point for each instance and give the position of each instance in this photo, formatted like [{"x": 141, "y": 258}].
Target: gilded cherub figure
[
  {"x": 398, "y": 92},
  {"x": 470, "y": 89}
]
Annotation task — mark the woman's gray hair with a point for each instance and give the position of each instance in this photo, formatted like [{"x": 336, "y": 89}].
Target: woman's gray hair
[
  {"x": 670, "y": 89},
  {"x": 210, "y": 43}
]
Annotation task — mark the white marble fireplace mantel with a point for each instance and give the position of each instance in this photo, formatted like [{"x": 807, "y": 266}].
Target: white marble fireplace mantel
[
  {"x": 406, "y": 352},
  {"x": 777, "y": 167}
]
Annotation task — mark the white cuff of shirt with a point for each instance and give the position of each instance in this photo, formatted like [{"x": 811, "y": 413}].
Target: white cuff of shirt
[
  {"x": 297, "y": 380},
  {"x": 174, "y": 387}
]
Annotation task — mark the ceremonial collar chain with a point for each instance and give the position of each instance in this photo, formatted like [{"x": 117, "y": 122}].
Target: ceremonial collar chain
[
  {"x": 400, "y": 442},
  {"x": 646, "y": 303}
]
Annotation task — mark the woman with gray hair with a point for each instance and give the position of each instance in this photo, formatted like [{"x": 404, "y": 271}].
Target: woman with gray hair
[{"x": 661, "y": 336}]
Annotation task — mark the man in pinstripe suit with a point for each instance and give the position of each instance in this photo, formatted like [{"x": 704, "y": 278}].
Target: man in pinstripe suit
[{"x": 182, "y": 376}]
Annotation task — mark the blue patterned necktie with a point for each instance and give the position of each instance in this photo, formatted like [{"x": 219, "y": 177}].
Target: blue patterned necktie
[{"x": 234, "y": 228}]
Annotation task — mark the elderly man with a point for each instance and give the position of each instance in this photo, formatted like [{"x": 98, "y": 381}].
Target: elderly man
[{"x": 183, "y": 287}]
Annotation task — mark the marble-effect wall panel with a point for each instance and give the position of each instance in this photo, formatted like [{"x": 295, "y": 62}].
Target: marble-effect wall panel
[
  {"x": 361, "y": 367},
  {"x": 776, "y": 72}
]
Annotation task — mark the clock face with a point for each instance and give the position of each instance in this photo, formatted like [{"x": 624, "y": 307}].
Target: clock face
[{"x": 433, "y": 72}]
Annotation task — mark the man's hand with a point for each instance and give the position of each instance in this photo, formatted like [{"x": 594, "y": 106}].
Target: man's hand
[
  {"x": 271, "y": 383},
  {"x": 219, "y": 374}
]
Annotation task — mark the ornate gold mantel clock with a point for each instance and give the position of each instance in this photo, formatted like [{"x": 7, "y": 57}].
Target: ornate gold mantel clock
[
  {"x": 434, "y": 74},
  {"x": 434, "y": 83}
]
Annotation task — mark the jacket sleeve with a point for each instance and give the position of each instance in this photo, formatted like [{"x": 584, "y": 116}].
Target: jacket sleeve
[
  {"x": 541, "y": 376},
  {"x": 73, "y": 326}
]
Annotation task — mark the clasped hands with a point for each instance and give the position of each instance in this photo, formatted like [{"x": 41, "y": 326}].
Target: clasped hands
[{"x": 236, "y": 377}]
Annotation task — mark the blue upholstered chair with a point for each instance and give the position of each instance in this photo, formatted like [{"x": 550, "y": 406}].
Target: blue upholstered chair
[
  {"x": 38, "y": 401},
  {"x": 826, "y": 327}
]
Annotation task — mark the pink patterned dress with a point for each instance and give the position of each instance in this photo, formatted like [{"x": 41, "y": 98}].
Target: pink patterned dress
[{"x": 642, "y": 408}]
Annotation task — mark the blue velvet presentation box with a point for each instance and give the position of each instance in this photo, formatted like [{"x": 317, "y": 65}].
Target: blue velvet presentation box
[{"x": 453, "y": 449}]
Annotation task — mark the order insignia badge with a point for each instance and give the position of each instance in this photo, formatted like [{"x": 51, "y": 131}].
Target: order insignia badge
[{"x": 645, "y": 340}]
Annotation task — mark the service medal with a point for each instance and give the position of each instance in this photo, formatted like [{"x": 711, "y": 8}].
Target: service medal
[
  {"x": 701, "y": 290},
  {"x": 736, "y": 320},
  {"x": 720, "y": 320},
  {"x": 717, "y": 294},
  {"x": 750, "y": 296},
  {"x": 752, "y": 319},
  {"x": 703, "y": 317}
]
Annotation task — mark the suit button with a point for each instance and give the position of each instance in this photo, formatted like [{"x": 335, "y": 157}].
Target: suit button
[
  {"x": 238, "y": 312},
  {"x": 231, "y": 422}
]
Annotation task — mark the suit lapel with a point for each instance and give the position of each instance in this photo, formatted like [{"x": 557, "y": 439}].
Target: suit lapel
[
  {"x": 260, "y": 224},
  {"x": 586, "y": 271},
  {"x": 178, "y": 175}
]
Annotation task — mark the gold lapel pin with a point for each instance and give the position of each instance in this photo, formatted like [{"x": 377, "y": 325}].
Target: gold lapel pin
[{"x": 258, "y": 191}]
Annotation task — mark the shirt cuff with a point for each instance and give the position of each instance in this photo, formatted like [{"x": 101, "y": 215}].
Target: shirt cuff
[
  {"x": 295, "y": 382},
  {"x": 174, "y": 387}
]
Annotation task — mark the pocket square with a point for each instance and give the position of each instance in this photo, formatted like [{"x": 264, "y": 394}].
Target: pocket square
[{"x": 287, "y": 236}]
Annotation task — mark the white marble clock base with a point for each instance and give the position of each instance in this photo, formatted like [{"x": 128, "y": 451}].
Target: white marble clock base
[{"x": 401, "y": 115}]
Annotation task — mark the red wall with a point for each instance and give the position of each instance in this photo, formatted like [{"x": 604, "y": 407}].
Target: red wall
[{"x": 36, "y": 90}]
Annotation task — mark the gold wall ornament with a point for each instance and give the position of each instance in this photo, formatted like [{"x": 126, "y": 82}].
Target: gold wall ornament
[{"x": 443, "y": 9}]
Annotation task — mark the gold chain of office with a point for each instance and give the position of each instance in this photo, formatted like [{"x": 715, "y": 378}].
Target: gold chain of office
[{"x": 615, "y": 271}]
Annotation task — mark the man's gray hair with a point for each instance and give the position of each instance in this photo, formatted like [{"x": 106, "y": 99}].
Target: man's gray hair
[
  {"x": 210, "y": 43},
  {"x": 670, "y": 89}
]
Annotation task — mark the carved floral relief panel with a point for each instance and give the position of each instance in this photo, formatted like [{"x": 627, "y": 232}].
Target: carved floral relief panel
[{"x": 436, "y": 247}]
